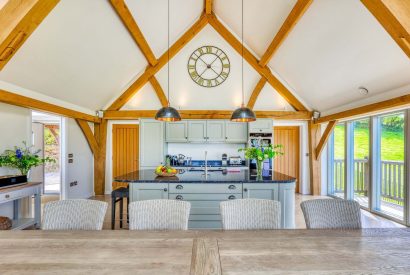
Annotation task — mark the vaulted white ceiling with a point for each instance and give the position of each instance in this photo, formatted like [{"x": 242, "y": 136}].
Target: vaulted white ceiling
[{"x": 82, "y": 54}]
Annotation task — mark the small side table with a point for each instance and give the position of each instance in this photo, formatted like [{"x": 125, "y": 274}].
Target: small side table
[{"x": 14, "y": 194}]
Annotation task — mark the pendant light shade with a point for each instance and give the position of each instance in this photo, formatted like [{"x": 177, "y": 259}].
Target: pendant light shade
[
  {"x": 167, "y": 114},
  {"x": 243, "y": 114}
]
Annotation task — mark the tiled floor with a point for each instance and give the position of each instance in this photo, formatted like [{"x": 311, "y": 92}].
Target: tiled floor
[{"x": 369, "y": 220}]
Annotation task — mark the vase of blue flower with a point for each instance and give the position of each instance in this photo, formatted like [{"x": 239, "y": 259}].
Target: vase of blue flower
[{"x": 22, "y": 159}]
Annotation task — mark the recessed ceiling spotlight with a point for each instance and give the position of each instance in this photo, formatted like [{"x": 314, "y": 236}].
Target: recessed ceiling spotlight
[{"x": 363, "y": 91}]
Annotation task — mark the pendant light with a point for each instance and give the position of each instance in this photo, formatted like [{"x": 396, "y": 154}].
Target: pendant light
[
  {"x": 168, "y": 113},
  {"x": 243, "y": 114}
]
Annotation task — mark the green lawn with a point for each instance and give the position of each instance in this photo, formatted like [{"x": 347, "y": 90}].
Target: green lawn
[{"x": 392, "y": 143}]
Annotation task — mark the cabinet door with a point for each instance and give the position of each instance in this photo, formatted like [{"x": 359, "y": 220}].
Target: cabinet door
[
  {"x": 148, "y": 191},
  {"x": 151, "y": 143},
  {"x": 236, "y": 132},
  {"x": 197, "y": 130},
  {"x": 261, "y": 191},
  {"x": 261, "y": 126},
  {"x": 215, "y": 130},
  {"x": 176, "y": 131}
]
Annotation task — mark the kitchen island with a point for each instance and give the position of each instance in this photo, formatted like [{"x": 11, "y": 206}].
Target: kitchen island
[{"x": 205, "y": 192}]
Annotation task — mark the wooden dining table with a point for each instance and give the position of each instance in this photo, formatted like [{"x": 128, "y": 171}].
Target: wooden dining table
[{"x": 367, "y": 251}]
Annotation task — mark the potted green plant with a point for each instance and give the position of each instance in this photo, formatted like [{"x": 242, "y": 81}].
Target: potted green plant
[
  {"x": 260, "y": 154},
  {"x": 22, "y": 158}
]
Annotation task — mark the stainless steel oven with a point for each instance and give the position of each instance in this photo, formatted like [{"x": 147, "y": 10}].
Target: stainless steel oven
[{"x": 260, "y": 139}]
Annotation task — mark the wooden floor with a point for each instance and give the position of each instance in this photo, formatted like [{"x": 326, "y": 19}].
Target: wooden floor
[{"x": 369, "y": 220}]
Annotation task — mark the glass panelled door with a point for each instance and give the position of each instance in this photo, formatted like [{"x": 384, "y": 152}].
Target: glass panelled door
[
  {"x": 361, "y": 161},
  {"x": 390, "y": 172},
  {"x": 337, "y": 162}
]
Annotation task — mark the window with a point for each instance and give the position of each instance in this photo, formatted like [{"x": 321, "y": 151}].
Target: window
[
  {"x": 361, "y": 153},
  {"x": 389, "y": 162},
  {"x": 337, "y": 162},
  {"x": 367, "y": 163}
]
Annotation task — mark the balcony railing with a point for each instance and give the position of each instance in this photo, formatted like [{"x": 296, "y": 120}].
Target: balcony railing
[{"x": 392, "y": 179}]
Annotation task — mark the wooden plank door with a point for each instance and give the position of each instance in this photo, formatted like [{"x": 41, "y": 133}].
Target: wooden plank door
[
  {"x": 288, "y": 163},
  {"x": 125, "y": 150}
]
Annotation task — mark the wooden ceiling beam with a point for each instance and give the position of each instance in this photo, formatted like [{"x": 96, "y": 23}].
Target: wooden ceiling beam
[
  {"x": 18, "y": 20},
  {"x": 89, "y": 135},
  {"x": 208, "y": 6},
  {"x": 293, "y": 18},
  {"x": 132, "y": 26},
  {"x": 252, "y": 60},
  {"x": 159, "y": 91},
  {"x": 206, "y": 114},
  {"x": 31, "y": 103},
  {"x": 152, "y": 70},
  {"x": 255, "y": 93},
  {"x": 383, "y": 106},
  {"x": 394, "y": 16},
  {"x": 323, "y": 140}
]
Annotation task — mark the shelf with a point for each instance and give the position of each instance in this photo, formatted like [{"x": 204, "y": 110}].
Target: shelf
[{"x": 22, "y": 223}]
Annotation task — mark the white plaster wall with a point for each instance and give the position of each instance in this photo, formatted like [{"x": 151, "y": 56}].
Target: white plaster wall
[
  {"x": 81, "y": 170},
  {"x": 15, "y": 127},
  {"x": 304, "y": 152}
]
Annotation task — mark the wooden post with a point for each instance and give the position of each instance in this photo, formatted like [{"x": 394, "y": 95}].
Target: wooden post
[
  {"x": 100, "y": 133},
  {"x": 314, "y": 163}
]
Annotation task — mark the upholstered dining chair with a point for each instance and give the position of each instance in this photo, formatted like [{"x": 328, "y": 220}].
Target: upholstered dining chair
[
  {"x": 76, "y": 214},
  {"x": 332, "y": 214},
  {"x": 250, "y": 214},
  {"x": 159, "y": 215}
]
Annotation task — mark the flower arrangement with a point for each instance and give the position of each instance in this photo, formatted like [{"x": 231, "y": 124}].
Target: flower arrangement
[
  {"x": 261, "y": 153},
  {"x": 22, "y": 158}
]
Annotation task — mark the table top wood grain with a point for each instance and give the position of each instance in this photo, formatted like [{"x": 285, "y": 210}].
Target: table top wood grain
[{"x": 367, "y": 251}]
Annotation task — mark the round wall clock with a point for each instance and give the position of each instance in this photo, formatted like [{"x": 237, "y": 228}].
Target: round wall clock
[{"x": 208, "y": 66}]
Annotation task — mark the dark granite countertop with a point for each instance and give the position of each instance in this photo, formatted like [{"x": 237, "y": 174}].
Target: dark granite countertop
[{"x": 185, "y": 176}]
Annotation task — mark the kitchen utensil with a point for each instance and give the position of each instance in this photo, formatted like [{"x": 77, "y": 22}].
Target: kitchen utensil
[{"x": 181, "y": 159}]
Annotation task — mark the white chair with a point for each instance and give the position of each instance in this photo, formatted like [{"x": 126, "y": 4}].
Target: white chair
[
  {"x": 74, "y": 215},
  {"x": 331, "y": 214},
  {"x": 159, "y": 215},
  {"x": 250, "y": 214}
]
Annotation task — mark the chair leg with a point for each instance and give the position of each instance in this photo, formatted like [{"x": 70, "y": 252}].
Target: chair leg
[
  {"x": 121, "y": 211},
  {"x": 128, "y": 216},
  {"x": 113, "y": 214}
]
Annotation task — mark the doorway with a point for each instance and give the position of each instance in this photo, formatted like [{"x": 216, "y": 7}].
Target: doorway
[
  {"x": 125, "y": 150},
  {"x": 288, "y": 163},
  {"x": 46, "y": 135}
]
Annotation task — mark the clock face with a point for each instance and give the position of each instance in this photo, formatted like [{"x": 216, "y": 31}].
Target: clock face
[{"x": 208, "y": 66}]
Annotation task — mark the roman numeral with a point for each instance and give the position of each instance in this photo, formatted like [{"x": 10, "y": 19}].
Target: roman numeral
[
  {"x": 201, "y": 51},
  {"x": 224, "y": 75},
  {"x": 208, "y": 49}
]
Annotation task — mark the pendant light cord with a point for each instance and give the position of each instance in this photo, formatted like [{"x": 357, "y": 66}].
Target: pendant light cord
[
  {"x": 168, "y": 54},
  {"x": 243, "y": 92}
]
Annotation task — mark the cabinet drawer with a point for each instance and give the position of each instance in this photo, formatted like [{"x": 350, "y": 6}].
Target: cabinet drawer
[
  {"x": 205, "y": 217},
  {"x": 206, "y": 210},
  {"x": 204, "y": 224},
  {"x": 17, "y": 194},
  {"x": 204, "y": 197},
  {"x": 205, "y": 188}
]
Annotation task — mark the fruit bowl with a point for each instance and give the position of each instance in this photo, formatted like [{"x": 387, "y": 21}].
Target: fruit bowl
[
  {"x": 166, "y": 171},
  {"x": 165, "y": 174}
]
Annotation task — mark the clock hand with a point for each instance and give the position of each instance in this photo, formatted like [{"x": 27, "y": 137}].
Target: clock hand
[
  {"x": 214, "y": 61},
  {"x": 214, "y": 71},
  {"x": 203, "y": 61}
]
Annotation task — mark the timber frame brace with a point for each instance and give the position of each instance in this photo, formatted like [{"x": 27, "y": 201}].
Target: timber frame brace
[{"x": 207, "y": 17}]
